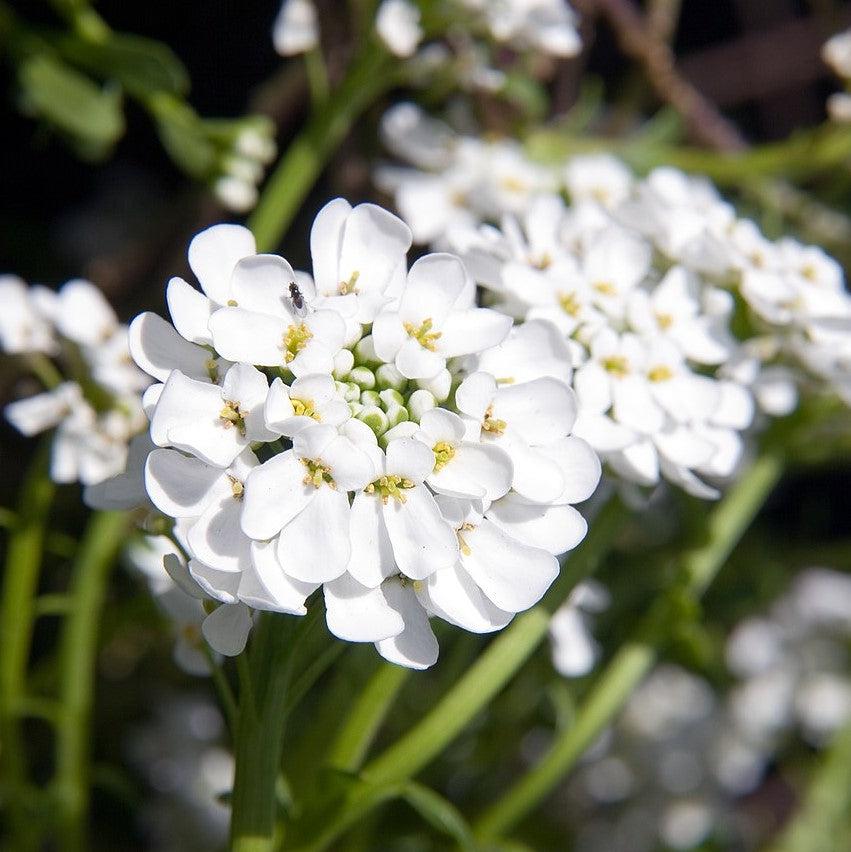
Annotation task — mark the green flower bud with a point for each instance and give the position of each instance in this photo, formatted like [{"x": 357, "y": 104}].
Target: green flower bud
[
  {"x": 355, "y": 408},
  {"x": 419, "y": 402},
  {"x": 391, "y": 397},
  {"x": 365, "y": 351},
  {"x": 352, "y": 392},
  {"x": 344, "y": 360},
  {"x": 396, "y": 414},
  {"x": 375, "y": 418},
  {"x": 388, "y": 376},
  {"x": 364, "y": 377},
  {"x": 370, "y": 397}
]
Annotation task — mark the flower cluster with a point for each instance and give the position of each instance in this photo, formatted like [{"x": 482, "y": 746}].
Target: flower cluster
[
  {"x": 646, "y": 279},
  {"x": 366, "y": 429},
  {"x": 97, "y": 410},
  {"x": 678, "y": 762}
]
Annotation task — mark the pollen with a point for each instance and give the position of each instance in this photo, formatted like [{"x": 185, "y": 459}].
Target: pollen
[
  {"x": 569, "y": 303},
  {"x": 236, "y": 487},
  {"x": 233, "y": 415},
  {"x": 444, "y": 452},
  {"x": 665, "y": 321},
  {"x": 317, "y": 474},
  {"x": 617, "y": 365},
  {"x": 463, "y": 546},
  {"x": 390, "y": 485},
  {"x": 350, "y": 286},
  {"x": 295, "y": 339},
  {"x": 423, "y": 333},
  {"x": 492, "y": 424},
  {"x": 660, "y": 374},
  {"x": 305, "y": 408}
]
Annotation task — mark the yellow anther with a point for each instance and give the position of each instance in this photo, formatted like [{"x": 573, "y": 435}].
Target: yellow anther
[
  {"x": 350, "y": 286},
  {"x": 423, "y": 334},
  {"x": 463, "y": 546},
  {"x": 295, "y": 340},
  {"x": 809, "y": 272},
  {"x": 390, "y": 485},
  {"x": 660, "y": 374},
  {"x": 543, "y": 262},
  {"x": 233, "y": 415},
  {"x": 617, "y": 365},
  {"x": 665, "y": 321},
  {"x": 569, "y": 303},
  {"x": 492, "y": 424},
  {"x": 418, "y": 585},
  {"x": 305, "y": 408},
  {"x": 317, "y": 474},
  {"x": 513, "y": 184},
  {"x": 232, "y": 303},
  {"x": 601, "y": 194},
  {"x": 444, "y": 452},
  {"x": 605, "y": 288},
  {"x": 236, "y": 487}
]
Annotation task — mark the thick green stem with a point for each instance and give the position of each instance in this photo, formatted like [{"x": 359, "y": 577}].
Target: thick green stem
[
  {"x": 725, "y": 526},
  {"x": 99, "y": 548},
  {"x": 264, "y": 681},
  {"x": 472, "y": 692},
  {"x": 17, "y": 610},
  {"x": 369, "y": 75},
  {"x": 366, "y": 716}
]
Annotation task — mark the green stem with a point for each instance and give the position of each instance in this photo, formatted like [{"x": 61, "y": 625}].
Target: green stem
[
  {"x": 472, "y": 692},
  {"x": 44, "y": 369},
  {"x": 818, "y": 824},
  {"x": 264, "y": 681},
  {"x": 368, "y": 77},
  {"x": 17, "y": 612},
  {"x": 99, "y": 548},
  {"x": 725, "y": 526},
  {"x": 366, "y": 716},
  {"x": 317, "y": 77},
  {"x": 222, "y": 687}
]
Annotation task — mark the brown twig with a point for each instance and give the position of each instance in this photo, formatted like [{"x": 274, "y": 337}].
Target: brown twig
[{"x": 637, "y": 41}]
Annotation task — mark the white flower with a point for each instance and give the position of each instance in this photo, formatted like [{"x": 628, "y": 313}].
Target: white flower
[
  {"x": 310, "y": 399},
  {"x": 296, "y": 28},
  {"x": 23, "y": 327},
  {"x": 548, "y": 25},
  {"x": 836, "y": 52},
  {"x": 434, "y": 320},
  {"x": 574, "y": 649},
  {"x": 598, "y": 178},
  {"x": 398, "y": 25},
  {"x": 214, "y": 423},
  {"x": 265, "y": 328}
]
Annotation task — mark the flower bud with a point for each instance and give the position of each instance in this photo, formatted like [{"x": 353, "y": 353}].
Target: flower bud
[
  {"x": 370, "y": 397},
  {"x": 363, "y": 377},
  {"x": 375, "y": 418},
  {"x": 388, "y": 376},
  {"x": 365, "y": 351},
  {"x": 419, "y": 402},
  {"x": 439, "y": 386},
  {"x": 344, "y": 360}
]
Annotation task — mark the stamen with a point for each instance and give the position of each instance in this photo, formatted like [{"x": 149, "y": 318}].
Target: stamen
[
  {"x": 605, "y": 288},
  {"x": 350, "y": 286},
  {"x": 492, "y": 424},
  {"x": 236, "y": 487},
  {"x": 569, "y": 303},
  {"x": 390, "y": 485},
  {"x": 305, "y": 408},
  {"x": 617, "y": 365},
  {"x": 660, "y": 374},
  {"x": 464, "y": 547},
  {"x": 232, "y": 414},
  {"x": 444, "y": 452},
  {"x": 317, "y": 474},
  {"x": 665, "y": 321},
  {"x": 423, "y": 334},
  {"x": 295, "y": 339},
  {"x": 212, "y": 369}
]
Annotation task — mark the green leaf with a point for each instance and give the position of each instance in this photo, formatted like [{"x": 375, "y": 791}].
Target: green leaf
[
  {"x": 440, "y": 813},
  {"x": 141, "y": 65},
  {"x": 90, "y": 116},
  {"x": 183, "y": 135}
]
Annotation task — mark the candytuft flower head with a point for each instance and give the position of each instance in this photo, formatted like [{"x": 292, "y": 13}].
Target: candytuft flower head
[{"x": 317, "y": 431}]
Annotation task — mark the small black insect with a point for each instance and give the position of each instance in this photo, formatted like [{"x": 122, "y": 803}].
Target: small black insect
[{"x": 297, "y": 298}]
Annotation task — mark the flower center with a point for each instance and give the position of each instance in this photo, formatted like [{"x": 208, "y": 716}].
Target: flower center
[
  {"x": 305, "y": 408},
  {"x": 513, "y": 184},
  {"x": 389, "y": 485},
  {"x": 605, "y": 288},
  {"x": 569, "y": 303},
  {"x": 463, "y": 546},
  {"x": 617, "y": 365},
  {"x": 295, "y": 339},
  {"x": 660, "y": 374},
  {"x": 349, "y": 286},
  {"x": 542, "y": 262},
  {"x": 665, "y": 321},
  {"x": 233, "y": 415},
  {"x": 423, "y": 333},
  {"x": 236, "y": 487},
  {"x": 492, "y": 424},
  {"x": 317, "y": 473},
  {"x": 444, "y": 452}
]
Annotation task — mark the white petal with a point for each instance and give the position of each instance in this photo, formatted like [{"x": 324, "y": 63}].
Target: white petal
[
  {"x": 540, "y": 411},
  {"x": 274, "y": 494},
  {"x": 535, "y": 475},
  {"x": 415, "y": 362},
  {"x": 601, "y": 432},
  {"x": 214, "y": 253},
  {"x": 326, "y": 239},
  {"x": 555, "y": 529},
  {"x": 409, "y": 458},
  {"x": 438, "y": 424},
  {"x": 422, "y": 541},
  {"x": 314, "y": 546},
  {"x": 634, "y": 406},
  {"x": 217, "y": 539},
  {"x": 219, "y": 585},
  {"x": 84, "y": 314},
  {"x": 250, "y": 337},
  {"x": 158, "y": 349},
  {"x": 434, "y": 284},
  {"x": 183, "y": 486},
  {"x": 579, "y": 465},
  {"x": 388, "y": 335},
  {"x": 452, "y": 595},
  {"x": 476, "y": 471},
  {"x": 359, "y": 614},
  {"x": 268, "y": 586},
  {"x": 262, "y": 284},
  {"x": 371, "y": 559},
  {"x": 472, "y": 330},
  {"x": 638, "y": 463},
  {"x": 513, "y": 575},
  {"x": 226, "y": 629},
  {"x": 534, "y": 349},
  {"x": 190, "y": 311},
  {"x": 415, "y": 647},
  {"x": 475, "y": 394}
]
